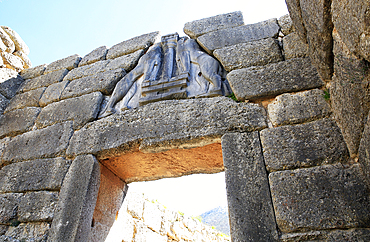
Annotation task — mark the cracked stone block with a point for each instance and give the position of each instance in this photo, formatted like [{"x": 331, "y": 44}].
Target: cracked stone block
[
  {"x": 127, "y": 62},
  {"x": 26, "y": 61},
  {"x": 286, "y": 24},
  {"x": 53, "y": 93},
  {"x": 68, "y": 63},
  {"x": 33, "y": 72},
  {"x": 27, "y": 99},
  {"x": 12, "y": 61},
  {"x": 294, "y": 47},
  {"x": 87, "y": 70},
  {"x": 9, "y": 207},
  {"x": 3, "y": 103},
  {"x": 43, "y": 80},
  {"x": 7, "y": 41},
  {"x": 364, "y": 149},
  {"x": 9, "y": 86},
  {"x": 17, "y": 40},
  {"x": 28, "y": 232},
  {"x": 96, "y": 55}
]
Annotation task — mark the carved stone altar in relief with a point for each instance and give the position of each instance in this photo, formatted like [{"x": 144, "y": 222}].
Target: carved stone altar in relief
[{"x": 175, "y": 68}]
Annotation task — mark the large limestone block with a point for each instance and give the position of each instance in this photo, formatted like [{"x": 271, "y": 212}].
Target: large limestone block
[
  {"x": 319, "y": 198},
  {"x": 28, "y": 232},
  {"x": 6, "y": 74},
  {"x": 37, "y": 206},
  {"x": 242, "y": 34},
  {"x": 96, "y": 55},
  {"x": 53, "y": 93},
  {"x": 48, "y": 142},
  {"x": 167, "y": 124},
  {"x": 27, "y": 99},
  {"x": 295, "y": 14},
  {"x": 35, "y": 175},
  {"x": 274, "y": 79},
  {"x": 7, "y": 41},
  {"x": 329, "y": 235},
  {"x": 26, "y": 61},
  {"x": 251, "y": 213},
  {"x": 33, "y": 72},
  {"x": 18, "y": 121},
  {"x": 87, "y": 70},
  {"x": 3, "y": 47},
  {"x": 68, "y": 63},
  {"x": 20, "y": 45},
  {"x": 305, "y": 145},
  {"x": 364, "y": 149},
  {"x": 43, "y": 80},
  {"x": 12, "y": 61},
  {"x": 79, "y": 110},
  {"x": 3, "y": 103},
  {"x": 77, "y": 199},
  {"x": 129, "y": 46},
  {"x": 197, "y": 28},
  {"x": 286, "y": 24},
  {"x": 8, "y": 207},
  {"x": 294, "y": 47},
  {"x": 103, "y": 82},
  {"x": 298, "y": 108},
  {"x": 127, "y": 62},
  {"x": 255, "y": 53},
  {"x": 9, "y": 86}
]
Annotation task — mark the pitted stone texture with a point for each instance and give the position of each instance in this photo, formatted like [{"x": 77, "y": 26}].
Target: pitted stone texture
[
  {"x": 26, "y": 61},
  {"x": 17, "y": 40},
  {"x": 3, "y": 103},
  {"x": 242, "y": 34},
  {"x": 305, "y": 145},
  {"x": 37, "y": 206},
  {"x": 9, "y": 87},
  {"x": 43, "y": 143},
  {"x": 44, "y": 80},
  {"x": 28, "y": 232},
  {"x": 286, "y": 24},
  {"x": 166, "y": 125},
  {"x": 274, "y": 79},
  {"x": 103, "y": 82},
  {"x": 35, "y": 175},
  {"x": 294, "y": 47},
  {"x": 87, "y": 70},
  {"x": 33, "y": 72},
  {"x": 96, "y": 55},
  {"x": 298, "y": 108},
  {"x": 77, "y": 199},
  {"x": 12, "y": 61},
  {"x": 80, "y": 110},
  {"x": 255, "y": 53},
  {"x": 364, "y": 150},
  {"x": 3, "y": 142},
  {"x": 296, "y": 16},
  {"x": 6, "y": 74},
  {"x": 68, "y": 63},
  {"x": 127, "y": 62},
  {"x": 53, "y": 93},
  {"x": 329, "y": 236},
  {"x": 9, "y": 207},
  {"x": 18, "y": 121},
  {"x": 318, "y": 198},
  {"x": 7, "y": 41},
  {"x": 251, "y": 213},
  {"x": 197, "y": 28},
  {"x": 129, "y": 46},
  {"x": 27, "y": 99}
]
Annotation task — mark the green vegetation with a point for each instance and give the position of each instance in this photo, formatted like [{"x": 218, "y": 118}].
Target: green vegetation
[
  {"x": 232, "y": 96},
  {"x": 326, "y": 95}
]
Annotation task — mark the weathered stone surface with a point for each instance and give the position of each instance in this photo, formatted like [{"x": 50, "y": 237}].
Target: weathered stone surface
[
  {"x": 87, "y": 70},
  {"x": 33, "y": 72},
  {"x": 286, "y": 24},
  {"x": 53, "y": 93},
  {"x": 7, "y": 41},
  {"x": 232, "y": 36},
  {"x": 127, "y": 62},
  {"x": 298, "y": 108},
  {"x": 68, "y": 63},
  {"x": 128, "y": 46},
  {"x": 27, "y": 232},
  {"x": 6, "y": 74},
  {"x": 329, "y": 236},
  {"x": 3, "y": 142},
  {"x": 352, "y": 23},
  {"x": 350, "y": 94},
  {"x": 20, "y": 45},
  {"x": 12, "y": 61},
  {"x": 44, "y": 80},
  {"x": 251, "y": 213},
  {"x": 3, "y": 103},
  {"x": 96, "y": 55},
  {"x": 167, "y": 125},
  {"x": 80, "y": 110},
  {"x": 9, "y": 207},
  {"x": 197, "y": 28},
  {"x": 26, "y": 61},
  {"x": 3, "y": 47},
  {"x": 325, "y": 197},
  {"x": 77, "y": 198},
  {"x": 35, "y": 175},
  {"x": 37, "y": 206},
  {"x": 294, "y": 47},
  {"x": 364, "y": 150},
  {"x": 42, "y": 143},
  {"x": 3, "y": 229},
  {"x": 296, "y": 16},
  {"x": 18, "y": 121},
  {"x": 255, "y": 53},
  {"x": 27, "y": 99},
  {"x": 103, "y": 82},
  {"x": 304, "y": 145},
  {"x": 274, "y": 79},
  {"x": 2, "y": 65},
  {"x": 9, "y": 86}
]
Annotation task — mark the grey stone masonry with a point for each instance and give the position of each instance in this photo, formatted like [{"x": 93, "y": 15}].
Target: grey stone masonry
[
  {"x": 294, "y": 47},
  {"x": 88, "y": 70},
  {"x": 329, "y": 235},
  {"x": 286, "y": 24},
  {"x": 127, "y": 62},
  {"x": 255, "y": 53},
  {"x": 3, "y": 103},
  {"x": 33, "y": 72},
  {"x": 364, "y": 150},
  {"x": 129, "y": 46},
  {"x": 274, "y": 79},
  {"x": 80, "y": 110},
  {"x": 43, "y": 81},
  {"x": 9, "y": 87},
  {"x": 35, "y": 175},
  {"x": 197, "y": 28},
  {"x": 9, "y": 205},
  {"x": 298, "y": 108},
  {"x": 304, "y": 145},
  {"x": 318, "y": 198},
  {"x": 43, "y": 143},
  {"x": 69, "y": 63},
  {"x": 242, "y": 34},
  {"x": 251, "y": 213},
  {"x": 27, "y": 99},
  {"x": 166, "y": 125},
  {"x": 18, "y": 121},
  {"x": 36, "y": 231},
  {"x": 102, "y": 82},
  {"x": 96, "y": 55},
  {"x": 53, "y": 93}
]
